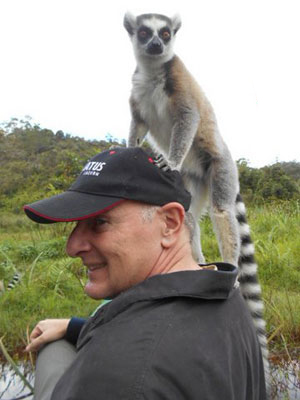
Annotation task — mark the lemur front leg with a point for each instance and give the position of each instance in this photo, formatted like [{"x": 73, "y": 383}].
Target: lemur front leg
[
  {"x": 137, "y": 133},
  {"x": 186, "y": 122},
  {"x": 138, "y": 127}
]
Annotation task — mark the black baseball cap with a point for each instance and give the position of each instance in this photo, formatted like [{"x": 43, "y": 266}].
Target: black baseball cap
[{"x": 108, "y": 179}]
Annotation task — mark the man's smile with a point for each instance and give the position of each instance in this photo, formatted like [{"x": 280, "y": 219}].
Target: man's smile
[{"x": 93, "y": 267}]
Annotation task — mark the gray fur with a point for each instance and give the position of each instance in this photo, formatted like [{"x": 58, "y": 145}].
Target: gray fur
[
  {"x": 167, "y": 103},
  {"x": 176, "y": 123}
]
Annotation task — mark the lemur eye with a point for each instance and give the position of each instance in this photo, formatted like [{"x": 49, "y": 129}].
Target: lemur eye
[
  {"x": 166, "y": 35},
  {"x": 143, "y": 34}
]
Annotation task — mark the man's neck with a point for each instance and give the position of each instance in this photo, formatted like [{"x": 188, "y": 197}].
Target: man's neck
[{"x": 174, "y": 260}]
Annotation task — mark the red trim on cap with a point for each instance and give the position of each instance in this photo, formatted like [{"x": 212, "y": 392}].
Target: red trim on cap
[
  {"x": 112, "y": 152},
  {"x": 73, "y": 219}
]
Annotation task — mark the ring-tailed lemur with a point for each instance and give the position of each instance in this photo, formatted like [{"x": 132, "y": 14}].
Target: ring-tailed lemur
[
  {"x": 15, "y": 280},
  {"x": 167, "y": 102},
  {"x": 12, "y": 283}
]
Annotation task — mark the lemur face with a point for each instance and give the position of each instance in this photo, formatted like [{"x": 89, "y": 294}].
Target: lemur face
[{"x": 152, "y": 34}]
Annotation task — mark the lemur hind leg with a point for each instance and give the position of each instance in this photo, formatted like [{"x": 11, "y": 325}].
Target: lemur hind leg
[
  {"x": 223, "y": 191},
  {"x": 226, "y": 229},
  {"x": 198, "y": 206}
]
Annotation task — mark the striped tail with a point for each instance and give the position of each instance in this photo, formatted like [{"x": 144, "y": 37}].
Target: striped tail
[
  {"x": 249, "y": 285},
  {"x": 14, "y": 281}
]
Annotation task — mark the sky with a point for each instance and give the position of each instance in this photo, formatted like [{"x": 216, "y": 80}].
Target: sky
[{"x": 68, "y": 64}]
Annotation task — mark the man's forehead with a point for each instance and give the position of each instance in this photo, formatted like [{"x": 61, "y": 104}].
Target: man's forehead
[
  {"x": 124, "y": 206},
  {"x": 114, "y": 210},
  {"x": 121, "y": 210}
]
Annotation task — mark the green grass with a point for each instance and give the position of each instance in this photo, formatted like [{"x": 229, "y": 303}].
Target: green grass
[
  {"x": 282, "y": 314},
  {"x": 275, "y": 232},
  {"x": 52, "y": 284}
]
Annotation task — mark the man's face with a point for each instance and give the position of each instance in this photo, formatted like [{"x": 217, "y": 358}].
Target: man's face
[{"x": 119, "y": 248}]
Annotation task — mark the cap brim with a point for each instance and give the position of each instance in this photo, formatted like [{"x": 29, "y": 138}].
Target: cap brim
[{"x": 69, "y": 206}]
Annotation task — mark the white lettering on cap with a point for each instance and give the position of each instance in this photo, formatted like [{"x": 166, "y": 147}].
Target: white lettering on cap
[{"x": 93, "y": 168}]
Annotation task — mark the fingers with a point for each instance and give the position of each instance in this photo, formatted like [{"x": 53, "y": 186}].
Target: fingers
[
  {"x": 36, "y": 344},
  {"x": 35, "y": 333},
  {"x": 47, "y": 331},
  {"x": 37, "y": 337}
]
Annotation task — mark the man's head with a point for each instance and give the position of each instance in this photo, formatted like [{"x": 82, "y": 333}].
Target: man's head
[
  {"x": 130, "y": 220},
  {"x": 128, "y": 244}
]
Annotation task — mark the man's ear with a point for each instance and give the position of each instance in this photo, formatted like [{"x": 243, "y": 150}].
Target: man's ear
[{"x": 173, "y": 216}]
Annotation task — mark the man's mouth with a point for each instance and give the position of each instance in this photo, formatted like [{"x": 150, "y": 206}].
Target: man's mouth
[{"x": 93, "y": 267}]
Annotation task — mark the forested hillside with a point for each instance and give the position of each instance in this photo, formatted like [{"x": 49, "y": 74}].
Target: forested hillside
[{"x": 35, "y": 162}]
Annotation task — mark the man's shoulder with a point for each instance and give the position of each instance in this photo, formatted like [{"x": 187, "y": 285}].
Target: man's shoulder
[
  {"x": 172, "y": 322},
  {"x": 172, "y": 348},
  {"x": 177, "y": 346}
]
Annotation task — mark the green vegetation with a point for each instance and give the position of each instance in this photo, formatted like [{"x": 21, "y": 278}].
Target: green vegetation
[
  {"x": 275, "y": 231},
  {"x": 35, "y": 163},
  {"x": 280, "y": 181},
  {"x": 51, "y": 284}
]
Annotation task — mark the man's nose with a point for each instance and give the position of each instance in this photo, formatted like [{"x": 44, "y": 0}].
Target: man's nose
[{"x": 78, "y": 240}]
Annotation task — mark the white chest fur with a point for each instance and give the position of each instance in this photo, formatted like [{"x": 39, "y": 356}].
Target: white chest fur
[{"x": 153, "y": 103}]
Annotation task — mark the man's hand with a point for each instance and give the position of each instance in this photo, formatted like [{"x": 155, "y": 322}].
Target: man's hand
[{"x": 47, "y": 331}]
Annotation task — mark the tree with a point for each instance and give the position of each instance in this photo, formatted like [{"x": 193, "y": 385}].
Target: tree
[
  {"x": 276, "y": 184},
  {"x": 267, "y": 183}
]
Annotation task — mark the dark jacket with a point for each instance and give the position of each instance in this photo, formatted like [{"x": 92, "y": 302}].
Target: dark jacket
[{"x": 183, "y": 335}]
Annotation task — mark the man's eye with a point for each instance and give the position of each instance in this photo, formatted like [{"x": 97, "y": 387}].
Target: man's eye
[{"x": 99, "y": 221}]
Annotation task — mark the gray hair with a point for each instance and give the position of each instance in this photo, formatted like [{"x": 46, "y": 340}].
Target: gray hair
[{"x": 148, "y": 212}]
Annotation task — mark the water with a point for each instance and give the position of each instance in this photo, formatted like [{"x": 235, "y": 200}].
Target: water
[
  {"x": 285, "y": 382},
  {"x": 11, "y": 386}
]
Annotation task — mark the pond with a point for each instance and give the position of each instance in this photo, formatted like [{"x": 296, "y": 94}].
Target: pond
[
  {"x": 285, "y": 378},
  {"x": 11, "y": 386}
]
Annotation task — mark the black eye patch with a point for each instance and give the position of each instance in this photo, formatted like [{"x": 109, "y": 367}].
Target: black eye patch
[
  {"x": 165, "y": 34},
  {"x": 144, "y": 34}
]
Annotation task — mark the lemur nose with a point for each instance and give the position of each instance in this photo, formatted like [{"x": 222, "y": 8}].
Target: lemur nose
[
  {"x": 155, "y": 46},
  {"x": 156, "y": 42}
]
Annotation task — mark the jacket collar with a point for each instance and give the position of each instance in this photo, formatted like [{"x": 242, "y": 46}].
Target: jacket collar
[{"x": 202, "y": 284}]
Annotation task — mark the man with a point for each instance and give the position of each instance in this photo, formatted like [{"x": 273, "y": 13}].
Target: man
[{"x": 173, "y": 329}]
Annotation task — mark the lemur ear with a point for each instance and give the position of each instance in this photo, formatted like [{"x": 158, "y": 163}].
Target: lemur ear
[
  {"x": 129, "y": 23},
  {"x": 176, "y": 23}
]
